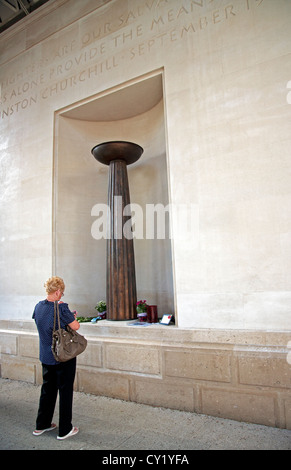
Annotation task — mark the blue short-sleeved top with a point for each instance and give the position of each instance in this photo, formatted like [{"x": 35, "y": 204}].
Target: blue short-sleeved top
[{"x": 43, "y": 316}]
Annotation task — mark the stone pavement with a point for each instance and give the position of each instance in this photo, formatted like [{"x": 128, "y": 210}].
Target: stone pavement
[{"x": 112, "y": 425}]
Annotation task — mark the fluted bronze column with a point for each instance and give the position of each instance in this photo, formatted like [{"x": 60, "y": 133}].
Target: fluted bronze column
[{"x": 120, "y": 272}]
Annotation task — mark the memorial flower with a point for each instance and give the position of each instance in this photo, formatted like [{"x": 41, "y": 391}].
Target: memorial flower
[
  {"x": 141, "y": 306},
  {"x": 101, "y": 306}
]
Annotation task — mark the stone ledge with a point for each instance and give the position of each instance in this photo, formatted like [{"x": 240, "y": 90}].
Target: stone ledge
[{"x": 163, "y": 333}]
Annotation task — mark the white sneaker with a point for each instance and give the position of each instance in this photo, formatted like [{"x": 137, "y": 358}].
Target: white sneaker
[
  {"x": 73, "y": 431},
  {"x": 39, "y": 432}
]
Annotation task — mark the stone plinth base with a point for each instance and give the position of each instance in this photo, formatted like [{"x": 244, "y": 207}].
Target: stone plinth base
[{"x": 240, "y": 375}]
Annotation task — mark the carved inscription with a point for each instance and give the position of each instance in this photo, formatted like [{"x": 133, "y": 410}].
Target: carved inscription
[{"x": 152, "y": 25}]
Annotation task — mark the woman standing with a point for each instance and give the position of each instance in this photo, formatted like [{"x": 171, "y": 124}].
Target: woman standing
[{"x": 57, "y": 376}]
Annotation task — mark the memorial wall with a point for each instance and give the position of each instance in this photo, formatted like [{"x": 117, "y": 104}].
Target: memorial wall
[{"x": 204, "y": 87}]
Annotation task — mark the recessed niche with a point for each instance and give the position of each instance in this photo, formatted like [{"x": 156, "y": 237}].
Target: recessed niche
[{"x": 134, "y": 112}]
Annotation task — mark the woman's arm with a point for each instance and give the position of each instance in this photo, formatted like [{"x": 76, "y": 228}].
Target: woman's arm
[{"x": 75, "y": 325}]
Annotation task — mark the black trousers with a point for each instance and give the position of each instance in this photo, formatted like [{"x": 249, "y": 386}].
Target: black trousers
[{"x": 59, "y": 378}]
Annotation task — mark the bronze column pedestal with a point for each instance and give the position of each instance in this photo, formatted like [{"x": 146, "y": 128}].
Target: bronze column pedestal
[{"x": 120, "y": 271}]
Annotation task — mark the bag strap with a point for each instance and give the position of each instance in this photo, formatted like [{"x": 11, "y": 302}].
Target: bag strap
[{"x": 56, "y": 313}]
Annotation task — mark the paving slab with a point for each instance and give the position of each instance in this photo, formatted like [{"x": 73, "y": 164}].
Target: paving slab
[{"x": 108, "y": 424}]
